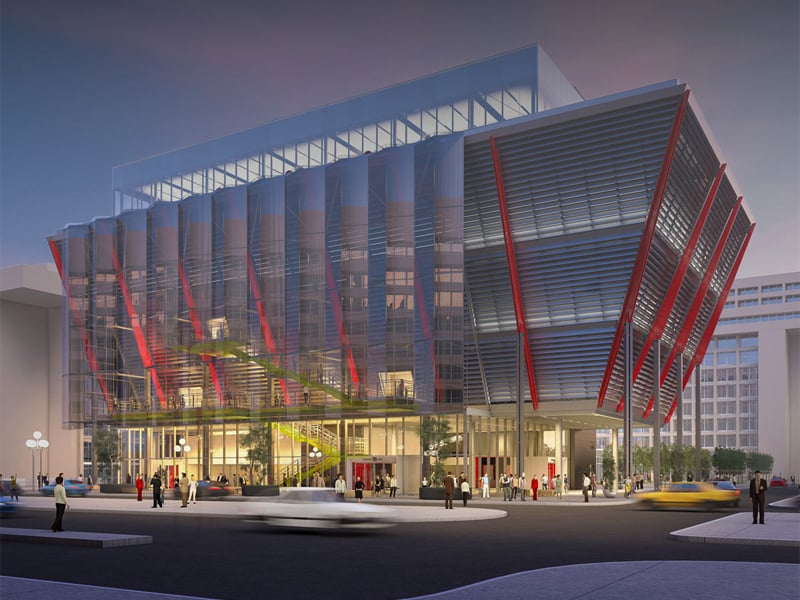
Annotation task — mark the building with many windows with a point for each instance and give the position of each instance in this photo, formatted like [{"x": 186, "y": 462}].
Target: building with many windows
[
  {"x": 749, "y": 377},
  {"x": 482, "y": 246}
]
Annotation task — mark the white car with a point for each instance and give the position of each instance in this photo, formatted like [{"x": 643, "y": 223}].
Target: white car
[{"x": 318, "y": 508}]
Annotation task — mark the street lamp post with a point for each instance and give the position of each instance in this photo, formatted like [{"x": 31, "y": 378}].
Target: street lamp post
[
  {"x": 183, "y": 448},
  {"x": 37, "y": 443}
]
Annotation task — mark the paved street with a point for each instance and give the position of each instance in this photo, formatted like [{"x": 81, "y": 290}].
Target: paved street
[{"x": 201, "y": 554}]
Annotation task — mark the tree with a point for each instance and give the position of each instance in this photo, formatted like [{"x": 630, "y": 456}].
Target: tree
[
  {"x": 106, "y": 447},
  {"x": 729, "y": 461},
  {"x": 757, "y": 461},
  {"x": 434, "y": 434},
  {"x": 642, "y": 458},
  {"x": 258, "y": 443},
  {"x": 608, "y": 467}
]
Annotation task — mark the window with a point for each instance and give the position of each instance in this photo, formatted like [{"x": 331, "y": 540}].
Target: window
[
  {"x": 687, "y": 424},
  {"x": 706, "y": 408},
  {"x": 727, "y": 407},
  {"x": 748, "y": 440},
  {"x": 748, "y": 390},
  {"x": 772, "y": 300},
  {"x": 707, "y": 375},
  {"x": 707, "y": 391},
  {"x": 707, "y": 441},
  {"x": 747, "y": 291},
  {"x": 687, "y": 393},
  {"x": 748, "y": 357},
  {"x": 687, "y": 409},
  {"x": 727, "y": 358},
  {"x": 726, "y": 374},
  {"x": 795, "y": 285},
  {"x": 748, "y": 423},
  {"x": 727, "y": 390},
  {"x": 773, "y": 287},
  {"x": 748, "y": 407},
  {"x": 706, "y": 424},
  {"x": 748, "y": 373},
  {"x": 731, "y": 304},
  {"x": 727, "y": 440},
  {"x": 748, "y": 341},
  {"x": 750, "y": 302},
  {"x": 793, "y": 298},
  {"x": 708, "y": 360},
  {"x": 726, "y": 343},
  {"x": 726, "y": 424}
]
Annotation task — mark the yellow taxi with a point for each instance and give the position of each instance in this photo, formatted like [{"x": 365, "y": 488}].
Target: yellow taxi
[{"x": 690, "y": 494}]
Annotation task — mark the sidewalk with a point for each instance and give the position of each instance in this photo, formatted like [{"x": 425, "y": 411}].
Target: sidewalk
[{"x": 600, "y": 580}]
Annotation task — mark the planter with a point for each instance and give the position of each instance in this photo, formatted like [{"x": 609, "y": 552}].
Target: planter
[
  {"x": 117, "y": 488},
  {"x": 436, "y": 493},
  {"x": 261, "y": 490},
  {"x": 608, "y": 494}
]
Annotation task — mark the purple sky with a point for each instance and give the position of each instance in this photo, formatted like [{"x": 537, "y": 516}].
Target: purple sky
[{"x": 87, "y": 85}]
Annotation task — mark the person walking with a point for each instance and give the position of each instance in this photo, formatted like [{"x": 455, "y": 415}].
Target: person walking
[
  {"x": 534, "y": 488},
  {"x": 514, "y": 486},
  {"x": 506, "y": 487},
  {"x": 184, "y": 483},
  {"x": 523, "y": 487},
  {"x": 155, "y": 483},
  {"x": 593, "y": 481},
  {"x": 485, "y": 485},
  {"x": 558, "y": 486},
  {"x": 587, "y": 483},
  {"x": 193, "y": 490},
  {"x": 60, "y": 495},
  {"x": 340, "y": 488},
  {"x": 393, "y": 487},
  {"x": 359, "y": 489},
  {"x": 449, "y": 490},
  {"x": 465, "y": 492},
  {"x": 139, "y": 487},
  {"x": 758, "y": 494},
  {"x": 14, "y": 492}
]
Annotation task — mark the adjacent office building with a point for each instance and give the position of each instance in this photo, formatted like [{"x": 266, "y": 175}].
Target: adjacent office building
[{"x": 481, "y": 245}]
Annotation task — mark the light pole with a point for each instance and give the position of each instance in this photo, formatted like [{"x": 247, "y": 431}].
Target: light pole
[
  {"x": 183, "y": 448},
  {"x": 314, "y": 454},
  {"x": 37, "y": 443}
]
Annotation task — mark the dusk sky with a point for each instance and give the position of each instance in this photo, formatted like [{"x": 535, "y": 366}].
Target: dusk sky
[{"x": 87, "y": 85}]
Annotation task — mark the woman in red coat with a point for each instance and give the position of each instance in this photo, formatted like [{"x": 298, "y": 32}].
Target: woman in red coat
[
  {"x": 535, "y": 487},
  {"x": 139, "y": 487}
]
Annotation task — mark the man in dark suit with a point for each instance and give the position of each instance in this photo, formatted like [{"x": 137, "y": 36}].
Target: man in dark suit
[
  {"x": 758, "y": 494},
  {"x": 449, "y": 490}
]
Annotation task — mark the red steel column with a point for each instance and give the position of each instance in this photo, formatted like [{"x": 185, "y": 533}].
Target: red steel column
[{"x": 519, "y": 309}]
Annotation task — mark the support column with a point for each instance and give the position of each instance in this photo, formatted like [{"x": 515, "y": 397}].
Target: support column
[
  {"x": 560, "y": 448},
  {"x": 698, "y": 446},
  {"x": 627, "y": 393},
  {"x": 679, "y": 412},
  {"x": 657, "y": 414},
  {"x": 615, "y": 454},
  {"x": 520, "y": 407}
]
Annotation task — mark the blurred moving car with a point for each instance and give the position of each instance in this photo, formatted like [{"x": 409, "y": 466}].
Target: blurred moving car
[
  {"x": 8, "y": 508},
  {"x": 777, "y": 481},
  {"x": 318, "y": 508},
  {"x": 207, "y": 489},
  {"x": 724, "y": 484},
  {"x": 72, "y": 486},
  {"x": 690, "y": 494}
]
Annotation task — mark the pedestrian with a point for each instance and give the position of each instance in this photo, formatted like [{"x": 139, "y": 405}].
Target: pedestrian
[
  {"x": 506, "y": 487},
  {"x": 534, "y": 488},
  {"x": 593, "y": 481},
  {"x": 558, "y": 486},
  {"x": 485, "y": 485},
  {"x": 587, "y": 483},
  {"x": 61, "y": 504},
  {"x": 465, "y": 492},
  {"x": 628, "y": 486},
  {"x": 514, "y": 486},
  {"x": 424, "y": 482},
  {"x": 544, "y": 481},
  {"x": 184, "y": 484},
  {"x": 340, "y": 487},
  {"x": 155, "y": 483},
  {"x": 758, "y": 494},
  {"x": 139, "y": 487},
  {"x": 523, "y": 487},
  {"x": 393, "y": 487},
  {"x": 449, "y": 490},
  {"x": 359, "y": 489},
  {"x": 13, "y": 487},
  {"x": 193, "y": 490}
]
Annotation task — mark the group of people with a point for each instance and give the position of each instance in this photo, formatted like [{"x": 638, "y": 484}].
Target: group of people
[
  {"x": 187, "y": 486},
  {"x": 450, "y": 485}
]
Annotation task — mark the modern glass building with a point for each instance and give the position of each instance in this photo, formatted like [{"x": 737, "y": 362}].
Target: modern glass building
[{"x": 481, "y": 245}]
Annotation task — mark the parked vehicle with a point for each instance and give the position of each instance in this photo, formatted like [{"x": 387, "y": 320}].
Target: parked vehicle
[{"x": 777, "y": 481}]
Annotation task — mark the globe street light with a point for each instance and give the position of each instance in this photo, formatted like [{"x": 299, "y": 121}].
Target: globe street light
[
  {"x": 37, "y": 443},
  {"x": 183, "y": 448}
]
